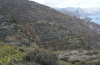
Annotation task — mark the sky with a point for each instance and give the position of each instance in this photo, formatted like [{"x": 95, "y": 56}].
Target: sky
[{"x": 70, "y": 3}]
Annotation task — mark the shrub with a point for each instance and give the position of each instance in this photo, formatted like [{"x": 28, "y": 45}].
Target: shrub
[
  {"x": 41, "y": 57},
  {"x": 9, "y": 55},
  {"x": 77, "y": 63},
  {"x": 93, "y": 62},
  {"x": 29, "y": 63},
  {"x": 63, "y": 63},
  {"x": 92, "y": 52}
]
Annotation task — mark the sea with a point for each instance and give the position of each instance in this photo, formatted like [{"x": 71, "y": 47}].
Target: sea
[{"x": 95, "y": 18}]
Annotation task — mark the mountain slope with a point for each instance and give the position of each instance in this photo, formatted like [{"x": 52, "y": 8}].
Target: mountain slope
[{"x": 25, "y": 22}]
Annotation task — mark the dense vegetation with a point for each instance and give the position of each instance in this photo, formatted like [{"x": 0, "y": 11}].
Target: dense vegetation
[
  {"x": 23, "y": 55},
  {"x": 10, "y": 55},
  {"x": 34, "y": 34}
]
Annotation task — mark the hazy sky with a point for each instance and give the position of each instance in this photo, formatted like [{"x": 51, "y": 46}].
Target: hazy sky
[{"x": 70, "y": 3}]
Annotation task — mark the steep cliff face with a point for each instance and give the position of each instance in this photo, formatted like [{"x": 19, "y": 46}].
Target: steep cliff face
[{"x": 25, "y": 22}]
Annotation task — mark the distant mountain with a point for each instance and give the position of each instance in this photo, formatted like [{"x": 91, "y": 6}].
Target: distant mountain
[
  {"x": 79, "y": 11},
  {"x": 24, "y": 22},
  {"x": 68, "y": 11},
  {"x": 92, "y": 11}
]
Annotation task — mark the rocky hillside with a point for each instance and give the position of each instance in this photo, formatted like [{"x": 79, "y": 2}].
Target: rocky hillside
[{"x": 25, "y": 22}]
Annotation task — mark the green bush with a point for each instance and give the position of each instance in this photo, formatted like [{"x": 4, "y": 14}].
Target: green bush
[
  {"x": 63, "y": 63},
  {"x": 10, "y": 55},
  {"x": 77, "y": 63},
  {"x": 93, "y": 62}
]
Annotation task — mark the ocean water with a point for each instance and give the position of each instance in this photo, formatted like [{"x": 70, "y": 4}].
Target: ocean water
[{"x": 95, "y": 18}]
